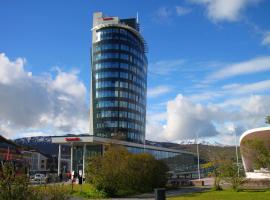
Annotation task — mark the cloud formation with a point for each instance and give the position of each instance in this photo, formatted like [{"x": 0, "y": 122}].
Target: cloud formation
[
  {"x": 255, "y": 65},
  {"x": 225, "y": 10},
  {"x": 260, "y": 86},
  {"x": 180, "y": 10},
  {"x": 158, "y": 91},
  {"x": 266, "y": 38},
  {"x": 40, "y": 102},
  {"x": 165, "y": 67},
  {"x": 166, "y": 13},
  {"x": 185, "y": 119}
]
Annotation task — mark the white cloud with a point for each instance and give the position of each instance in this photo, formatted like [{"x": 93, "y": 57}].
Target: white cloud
[
  {"x": 184, "y": 118},
  {"x": 232, "y": 91},
  {"x": 11, "y": 70},
  {"x": 163, "y": 14},
  {"x": 204, "y": 96},
  {"x": 248, "y": 88},
  {"x": 167, "y": 13},
  {"x": 266, "y": 38},
  {"x": 225, "y": 10},
  {"x": 158, "y": 91},
  {"x": 258, "y": 64},
  {"x": 39, "y": 102},
  {"x": 180, "y": 10},
  {"x": 69, "y": 84},
  {"x": 256, "y": 106},
  {"x": 155, "y": 126},
  {"x": 165, "y": 67}
]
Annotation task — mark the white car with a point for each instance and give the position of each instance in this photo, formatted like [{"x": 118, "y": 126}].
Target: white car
[{"x": 40, "y": 178}]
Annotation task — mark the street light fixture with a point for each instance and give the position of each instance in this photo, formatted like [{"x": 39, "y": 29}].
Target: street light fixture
[
  {"x": 198, "y": 156},
  {"x": 232, "y": 130}
]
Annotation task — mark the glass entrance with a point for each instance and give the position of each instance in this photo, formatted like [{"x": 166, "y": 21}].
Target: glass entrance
[{"x": 77, "y": 159}]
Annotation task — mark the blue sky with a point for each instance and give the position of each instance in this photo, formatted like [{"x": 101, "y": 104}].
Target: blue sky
[{"x": 209, "y": 65}]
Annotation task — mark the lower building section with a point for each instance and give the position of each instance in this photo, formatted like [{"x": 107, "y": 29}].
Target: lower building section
[{"x": 84, "y": 147}]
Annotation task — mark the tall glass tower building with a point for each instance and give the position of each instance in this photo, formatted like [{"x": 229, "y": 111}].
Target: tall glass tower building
[
  {"x": 118, "y": 98},
  {"x": 119, "y": 79}
]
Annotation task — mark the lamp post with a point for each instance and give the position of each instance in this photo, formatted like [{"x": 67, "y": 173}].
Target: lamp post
[
  {"x": 198, "y": 156},
  {"x": 236, "y": 152},
  {"x": 232, "y": 130}
]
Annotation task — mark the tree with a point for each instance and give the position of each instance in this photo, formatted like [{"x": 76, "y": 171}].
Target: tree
[
  {"x": 257, "y": 151},
  {"x": 107, "y": 172},
  {"x": 216, "y": 160},
  {"x": 146, "y": 173},
  {"x": 13, "y": 186},
  {"x": 267, "y": 119},
  {"x": 229, "y": 173},
  {"x": 120, "y": 172},
  {"x": 225, "y": 169}
]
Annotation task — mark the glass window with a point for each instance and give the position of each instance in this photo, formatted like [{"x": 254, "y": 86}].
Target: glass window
[
  {"x": 123, "y": 84},
  {"x": 105, "y": 65},
  {"x": 124, "y": 56},
  {"x": 111, "y": 124},
  {"x": 104, "y": 84},
  {"x": 100, "y": 75},
  {"x": 107, "y": 55},
  {"x": 106, "y": 46},
  {"x": 122, "y": 124},
  {"x": 106, "y": 93},
  {"x": 104, "y": 104},
  {"x": 124, "y": 66},
  {"x": 124, "y": 47},
  {"x": 124, "y": 75}
]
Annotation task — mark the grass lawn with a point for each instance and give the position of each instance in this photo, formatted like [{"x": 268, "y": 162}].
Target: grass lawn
[
  {"x": 226, "y": 195},
  {"x": 85, "y": 191}
]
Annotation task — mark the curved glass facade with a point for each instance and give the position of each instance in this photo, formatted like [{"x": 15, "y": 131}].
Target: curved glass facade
[{"x": 119, "y": 81}]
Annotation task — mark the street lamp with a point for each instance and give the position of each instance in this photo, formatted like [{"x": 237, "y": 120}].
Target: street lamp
[
  {"x": 232, "y": 130},
  {"x": 198, "y": 156}
]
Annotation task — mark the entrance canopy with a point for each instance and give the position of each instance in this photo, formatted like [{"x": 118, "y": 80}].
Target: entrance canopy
[{"x": 86, "y": 146}]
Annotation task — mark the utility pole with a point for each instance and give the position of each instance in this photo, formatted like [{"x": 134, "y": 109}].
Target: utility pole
[
  {"x": 232, "y": 130},
  {"x": 198, "y": 156},
  {"x": 236, "y": 152}
]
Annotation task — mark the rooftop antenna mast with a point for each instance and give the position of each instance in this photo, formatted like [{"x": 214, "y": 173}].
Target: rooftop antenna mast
[{"x": 137, "y": 18}]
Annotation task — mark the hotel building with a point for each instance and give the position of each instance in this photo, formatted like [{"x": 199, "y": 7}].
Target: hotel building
[{"x": 118, "y": 94}]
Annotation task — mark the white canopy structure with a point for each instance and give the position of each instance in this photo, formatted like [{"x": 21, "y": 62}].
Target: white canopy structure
[{"x": 262, "y": 134}]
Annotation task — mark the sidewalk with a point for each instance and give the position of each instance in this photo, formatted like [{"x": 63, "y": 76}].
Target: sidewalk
[{"x": 169, "y": 193}]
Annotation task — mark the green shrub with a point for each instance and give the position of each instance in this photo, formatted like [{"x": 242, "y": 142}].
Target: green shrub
[
  {"x": 13, "y": 186},
  {"x": 119, "y": 172},
  {"x": 17, "y": 187},
  {"x": 229, "y": 173},
  {"x": 257, "y": 151}
]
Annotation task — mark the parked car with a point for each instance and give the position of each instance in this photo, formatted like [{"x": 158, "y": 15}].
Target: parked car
[{"x": 39, "y": 178}]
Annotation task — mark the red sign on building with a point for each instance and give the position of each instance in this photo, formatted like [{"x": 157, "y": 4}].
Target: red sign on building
[
  {"x": 73, "y": 139},
  {"x": 107, "y": 18}
]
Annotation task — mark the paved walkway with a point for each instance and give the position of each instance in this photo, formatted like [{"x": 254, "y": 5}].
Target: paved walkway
[
  {"x": 178, "y": 192},
  {"x": 170, "y": 193}
]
